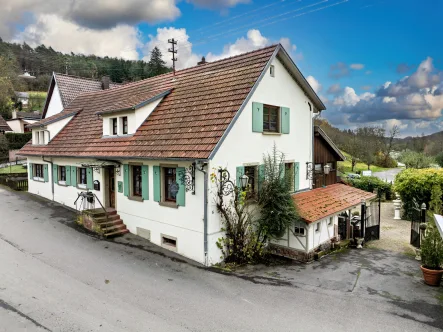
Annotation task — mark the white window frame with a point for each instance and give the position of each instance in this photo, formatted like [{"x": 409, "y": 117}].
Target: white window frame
[
  {"x": 272, "y": 70},
  {"x": 34, "y": 172},
  {"x": 63, "y": 182},
  {"x": 331, "y": 221},
  {"x": 317, "y": 227},
  {"x": 122, "y": 125},
  {"x": 299, "y": 226},
  {"x": 82, "y": 185}
]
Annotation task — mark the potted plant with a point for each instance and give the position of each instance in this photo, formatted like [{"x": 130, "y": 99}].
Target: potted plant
[{"x": 432, "y": 255}]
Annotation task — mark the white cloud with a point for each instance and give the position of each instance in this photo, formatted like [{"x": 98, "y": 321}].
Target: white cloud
[
  {"x": 65, "y": 36},
  {"x": 316, "y": 86},
  {"x": 97, "y": 14},
  {"x": 218, "y": 3},
  {"x": 357, "y": 66},
  {"x": 334, "y": 89}
]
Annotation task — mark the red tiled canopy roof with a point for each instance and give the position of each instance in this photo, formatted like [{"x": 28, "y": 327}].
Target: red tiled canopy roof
[
  {"x": 188, "y": 122},
  {"x": 67, "y": 112},
  {"x": 319, "y": 203}
]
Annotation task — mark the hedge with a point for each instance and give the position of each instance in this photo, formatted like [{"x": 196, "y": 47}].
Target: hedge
[
  {"x": 17, "y": 141},
  {"x": 372, "y": 183},
  {"x": 417, "y": 183}
]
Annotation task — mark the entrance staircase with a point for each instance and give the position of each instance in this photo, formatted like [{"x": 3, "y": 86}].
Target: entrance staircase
[{"x": 108, "y": 224}]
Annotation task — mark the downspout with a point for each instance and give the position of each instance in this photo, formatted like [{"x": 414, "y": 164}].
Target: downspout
[
  {"x": 52, "y": 175},
  {"x": 205, "y": 209}
]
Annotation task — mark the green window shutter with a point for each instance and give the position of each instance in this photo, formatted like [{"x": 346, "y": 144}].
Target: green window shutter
[
  {"x": 261, "y": 176},
  {"x": 30, "y": 171},
  {"x": 239, "y": 173},
  {"x": 257, "y": 117},
  {"x": 181, "y": 187},
  {"x": 157, "y": 182},
  {"x": 284, "y": 120},
  {"x": 89, "y": 178},
  {"x": 296, "y": 176},
  {"x": 74, "y": 176},
  {"x": 145, "y": 182},
  {"x": 45, "y": 172},
  {"x": 68, "y": 175},
  {"x": 126, "y": 180},
  {"x": 55, "y": 173}
]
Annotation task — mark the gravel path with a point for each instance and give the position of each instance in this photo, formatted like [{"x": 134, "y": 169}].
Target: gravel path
[{"x": 394, "y": 234}]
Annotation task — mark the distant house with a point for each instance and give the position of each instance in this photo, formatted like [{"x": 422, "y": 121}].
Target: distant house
[
  {"x": 63, "y": 89},
  {"x": 4, "y": 127},
  {"x": 23, "y": 98},
  {"x": 20, "y": 120}
]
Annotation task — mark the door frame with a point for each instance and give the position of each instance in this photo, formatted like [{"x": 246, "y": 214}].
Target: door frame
[{"x": 107, "y": 186}]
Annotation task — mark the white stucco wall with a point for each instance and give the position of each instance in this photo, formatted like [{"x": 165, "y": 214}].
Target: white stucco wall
[
  {"x": 326, "y": 232},
  {"x": 243, "y": 146},
  {"x": 185, "y": 223},
  {"x": 55, "y": 104},
  {"x": 51, "y": 130},
  {"x": 135, "y": 119},
  {"x": 16, "y": 125}
]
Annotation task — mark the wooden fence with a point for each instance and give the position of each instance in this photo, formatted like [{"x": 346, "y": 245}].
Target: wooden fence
[{"x": 16, "y": 183}]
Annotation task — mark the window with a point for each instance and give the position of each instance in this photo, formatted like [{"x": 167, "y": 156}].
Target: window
[
  {"x": 318, "y": 168},
  {"x": 125, "y": 125},
  {"x": 114, "y": 126},
  {"x": 62, "y": 173},
  {"x": 42, "y": 137},
  {"x": 271, "y": 119},
  {"x": 272, "y": 71},
  {"x": 38, "y": 171},
  {"x": 37, "y": 137},
  {"x": 136, "y": 181},
  {"x": 317, "y": 227},
  {"x": 82, "y": 180},
  {"x": 299, "y": 230},
  {"x": 251, "y": 172},
  {"x": 289, "y": 174},
  {"x": 169, "y": 242},
  {"x": 170, "y": 184},
  {"x": 331, "y": 221}
]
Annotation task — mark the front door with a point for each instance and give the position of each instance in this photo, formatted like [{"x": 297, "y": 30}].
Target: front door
[{"x": 111, "y": 186}]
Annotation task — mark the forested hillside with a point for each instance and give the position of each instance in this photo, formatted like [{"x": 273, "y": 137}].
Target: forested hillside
[{"x": 41, "y": 61}]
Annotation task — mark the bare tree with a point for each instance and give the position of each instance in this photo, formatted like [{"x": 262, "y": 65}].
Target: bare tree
[{"x": 393, "y": 133}]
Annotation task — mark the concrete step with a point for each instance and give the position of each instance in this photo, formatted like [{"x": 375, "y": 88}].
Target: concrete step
[
  {"x": 113, "y": 228},
  {"x": 108, "y": 224},
  {"x": 100, "y": 220},
  {"x": 117, "y": 233},
  {"x": 97, "y": 213}
]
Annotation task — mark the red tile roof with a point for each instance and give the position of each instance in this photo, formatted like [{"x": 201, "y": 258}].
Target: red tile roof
[
  {"x": 72, "y": 86},
  {"x": 188, "y": 122},
  {"x": 4, "y": 125},
  {"x": 319, "y": 203},
  {"x": 67, "y": 112}
]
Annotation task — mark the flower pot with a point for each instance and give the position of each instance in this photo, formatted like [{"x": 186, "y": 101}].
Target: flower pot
[{"x": 431, "y": 277}]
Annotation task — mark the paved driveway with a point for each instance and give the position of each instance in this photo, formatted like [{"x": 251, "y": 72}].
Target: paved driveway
[
  {"x": 55, "y": 278},
  {"x": 388, "y": 175}
]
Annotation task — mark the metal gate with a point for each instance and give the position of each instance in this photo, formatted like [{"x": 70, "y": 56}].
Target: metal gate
[
  {"x": 416, "y": 215},
  {"x": 372, "y": 221}
]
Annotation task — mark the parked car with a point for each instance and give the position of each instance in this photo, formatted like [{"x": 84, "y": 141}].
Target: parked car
[{"x": 354, "y": 176}]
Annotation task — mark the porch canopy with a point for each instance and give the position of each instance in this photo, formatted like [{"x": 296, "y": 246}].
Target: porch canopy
[{"x": 320, "y": 203}]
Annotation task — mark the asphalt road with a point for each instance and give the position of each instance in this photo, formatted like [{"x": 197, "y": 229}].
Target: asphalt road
[
  {"x": 388, "y": 175},
  {"x": 55, "y": 278}
]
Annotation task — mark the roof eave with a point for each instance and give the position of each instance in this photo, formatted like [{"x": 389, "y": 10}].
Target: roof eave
[{"x": 293, "y": 69}]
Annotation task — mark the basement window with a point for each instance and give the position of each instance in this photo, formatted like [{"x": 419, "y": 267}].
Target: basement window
[{"x": 169, "y": 242}]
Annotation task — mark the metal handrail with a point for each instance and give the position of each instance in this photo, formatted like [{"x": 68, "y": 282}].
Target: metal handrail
[{"x": 87, "y": 194}]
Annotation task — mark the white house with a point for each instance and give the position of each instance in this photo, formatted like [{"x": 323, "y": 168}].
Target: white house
[
  {"x": 65, "y": 88},
  {"x": 146, "y": 149},
  {"x": 19, "y": 121}
]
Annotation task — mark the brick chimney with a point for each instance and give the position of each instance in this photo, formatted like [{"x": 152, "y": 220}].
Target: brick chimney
[
  {"x": 106, "y": 80},
  {"x": 202, "y": 62}
]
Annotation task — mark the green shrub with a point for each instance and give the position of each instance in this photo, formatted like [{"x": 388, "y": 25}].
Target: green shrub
[
  {"x": 371, "y": 183},
  {"x": 17, "y": 140},
  {"x": 417, "y": 184},
  {"x": 432, "y": 247}
]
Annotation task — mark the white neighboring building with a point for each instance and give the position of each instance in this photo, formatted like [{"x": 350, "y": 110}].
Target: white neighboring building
[
  {"x": 146, "y": 149},
  {"x": 19, "y": 121}
]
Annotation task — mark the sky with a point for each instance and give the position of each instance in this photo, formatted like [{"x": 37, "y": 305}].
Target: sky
[{"x": 372, "y": 62}]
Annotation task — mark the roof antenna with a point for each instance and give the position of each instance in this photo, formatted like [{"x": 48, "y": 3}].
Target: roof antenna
[{"x": 173, "y": 42}]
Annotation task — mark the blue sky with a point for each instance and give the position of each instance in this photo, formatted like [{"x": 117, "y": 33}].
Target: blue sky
[{"x": 347, "y": 49}]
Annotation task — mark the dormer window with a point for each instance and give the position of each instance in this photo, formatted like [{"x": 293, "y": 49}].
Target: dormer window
[
  {"x": 114, "y": 126},
  {"x": 39, "y": 137},
  {"x": 124, "y": 125}
]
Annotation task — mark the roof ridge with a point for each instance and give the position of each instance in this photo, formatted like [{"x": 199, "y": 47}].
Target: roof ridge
[{"x": 85, "y": 78}]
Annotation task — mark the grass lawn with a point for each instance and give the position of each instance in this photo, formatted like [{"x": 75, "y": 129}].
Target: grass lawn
[
  {"x": 346, "y": 166},
  {"x": 13, "y": 169}
]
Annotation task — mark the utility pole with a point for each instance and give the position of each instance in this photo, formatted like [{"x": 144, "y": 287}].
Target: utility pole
[{"x": 172, "y": 50}]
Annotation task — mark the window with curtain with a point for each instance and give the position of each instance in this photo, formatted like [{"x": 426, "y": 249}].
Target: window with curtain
[{"x": 136, "y": 180}]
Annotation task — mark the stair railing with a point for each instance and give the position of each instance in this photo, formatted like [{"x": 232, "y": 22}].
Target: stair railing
[{"x": 90, "y": 197}]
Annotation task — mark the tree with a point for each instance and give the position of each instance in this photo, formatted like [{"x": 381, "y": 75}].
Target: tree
[
  {"x": 439, "y": 159},
  {"x": 157, "y": 65},
  {"x": 417, "y": 160},
  {"x": 277, "y": 209},
  {"x": 393, "y": 133},
  {"x": 353, "y": 147},
  {"x": 371, "y": 140}
]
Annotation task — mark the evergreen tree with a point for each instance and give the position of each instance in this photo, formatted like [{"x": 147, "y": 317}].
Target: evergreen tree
[{"x": 157, "y": 65}]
